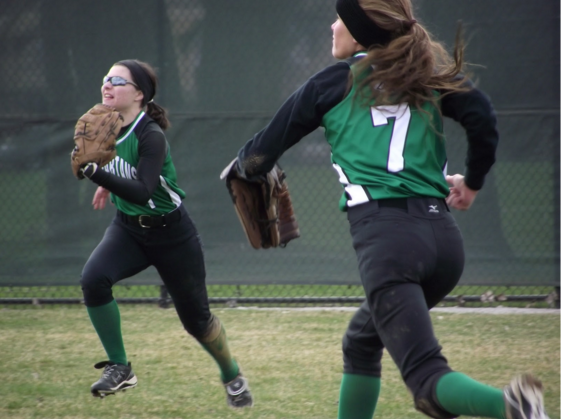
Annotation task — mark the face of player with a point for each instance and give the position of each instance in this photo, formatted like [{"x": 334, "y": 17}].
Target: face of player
[
  {"x": 344, "y": 45},
  {"x": 123, "y": 98}
]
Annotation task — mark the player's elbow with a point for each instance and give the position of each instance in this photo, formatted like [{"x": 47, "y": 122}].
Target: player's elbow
[{"x": 142, "y": 196}]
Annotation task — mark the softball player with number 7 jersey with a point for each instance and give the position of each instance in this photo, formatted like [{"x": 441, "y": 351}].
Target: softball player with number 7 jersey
[{"x": 382, "y": 109}]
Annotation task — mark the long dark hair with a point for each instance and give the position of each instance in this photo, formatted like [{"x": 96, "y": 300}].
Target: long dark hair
[
  {"x": 412, "y": 65},
  {"x": 145, "y": 77}
]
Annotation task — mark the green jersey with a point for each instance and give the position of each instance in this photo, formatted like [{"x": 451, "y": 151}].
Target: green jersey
[
  {"x": 386, "y": 152},
  {"x": 167, "y": 195}
]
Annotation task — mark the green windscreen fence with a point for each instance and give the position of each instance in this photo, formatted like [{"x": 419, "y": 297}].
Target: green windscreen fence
[{"x": 224, "y": 68}]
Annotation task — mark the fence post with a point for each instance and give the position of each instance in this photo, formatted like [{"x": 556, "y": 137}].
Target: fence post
[
  {"x": 557, "y": 205},
  {"x": 163, "y": 301}
]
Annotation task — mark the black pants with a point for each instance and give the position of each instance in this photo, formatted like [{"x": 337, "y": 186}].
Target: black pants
[
  {"x": 410, "y": 255},
  {"x": 174, "y": 250}
]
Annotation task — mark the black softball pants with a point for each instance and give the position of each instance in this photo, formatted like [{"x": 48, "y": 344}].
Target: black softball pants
[
  {"x": 410, "y": 256},
  {"x": 174, "y": 250}
]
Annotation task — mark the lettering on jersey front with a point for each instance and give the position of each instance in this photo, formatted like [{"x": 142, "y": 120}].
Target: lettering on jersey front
[{"x": 121, "y": 168}]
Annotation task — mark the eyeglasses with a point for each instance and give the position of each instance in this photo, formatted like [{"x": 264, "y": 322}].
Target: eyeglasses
[{"x": 118, "y": 81}]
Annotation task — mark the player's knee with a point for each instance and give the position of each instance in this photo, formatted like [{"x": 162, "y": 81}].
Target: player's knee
[
  {"x": 96, "y": 289},
  {"x": 205, "y": 330},
  {"x": 427, "y": 403},
  {"x": 360, "y": 359},
  {"x": 213, "y": 329}
]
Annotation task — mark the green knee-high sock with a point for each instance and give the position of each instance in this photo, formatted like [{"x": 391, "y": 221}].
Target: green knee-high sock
[
  {"x": 462, "y": 395},
  {"x": 106, "y": 321},
  {"x": 358, "y": 396},
  {"x": 219, "y": 350}
]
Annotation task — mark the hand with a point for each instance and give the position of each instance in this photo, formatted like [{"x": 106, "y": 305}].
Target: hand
[
  {"x": 89, "y": 169},
  {"x": 461, "y": 197},
  {"x": 100, "y": 198}
]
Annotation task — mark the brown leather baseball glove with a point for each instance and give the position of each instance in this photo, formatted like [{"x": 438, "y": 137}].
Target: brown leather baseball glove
[
  {"x": 95, "y": 137},
  {"x": 264, "y": 207}
]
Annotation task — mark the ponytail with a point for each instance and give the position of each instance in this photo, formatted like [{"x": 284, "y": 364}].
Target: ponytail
[
  {"x": 413, "y": 65},
  {"x": 158, "y": 114}
]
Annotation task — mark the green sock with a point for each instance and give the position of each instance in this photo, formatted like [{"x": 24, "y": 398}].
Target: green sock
[
  {"x": 462, "y": 395},
  {"x": 220, "y": 352},
  {"x": 358, "y": 396},
  {"x": 106, "y": 321}
]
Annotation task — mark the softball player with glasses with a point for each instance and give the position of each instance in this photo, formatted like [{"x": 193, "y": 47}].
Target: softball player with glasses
[{"x": 151, "y": 228}]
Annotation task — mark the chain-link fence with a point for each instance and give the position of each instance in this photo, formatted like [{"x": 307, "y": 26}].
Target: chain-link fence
[
  {"x": 224, "y": 69},
  {"x": 281, "y": 295}
]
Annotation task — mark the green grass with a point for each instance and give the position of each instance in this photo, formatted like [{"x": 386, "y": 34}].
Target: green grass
[{"x": 292, "y": 359}]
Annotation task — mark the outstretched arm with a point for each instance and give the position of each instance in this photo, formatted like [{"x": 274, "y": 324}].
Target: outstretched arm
[{"x": 300, "y": 114}]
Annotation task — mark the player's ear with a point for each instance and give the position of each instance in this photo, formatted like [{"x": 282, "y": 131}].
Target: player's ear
[
  {"x": 358, "y": 47},
  {"x": 139, "y": 96}
]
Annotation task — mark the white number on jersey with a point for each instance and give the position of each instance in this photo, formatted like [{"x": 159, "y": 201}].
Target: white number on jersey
[{"x": 402, "y": 116}]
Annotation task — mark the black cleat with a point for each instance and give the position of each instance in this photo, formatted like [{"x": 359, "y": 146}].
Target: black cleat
[
  {"x": 237, "y": 392},
  {"x": 115, "y": 377},
  {"x": 524, "y": 398}
]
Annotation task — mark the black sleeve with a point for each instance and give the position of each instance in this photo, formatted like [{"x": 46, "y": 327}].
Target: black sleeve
[
  {"x": 152, "y": 149},
  {"x": 474, "y": 111},
  {"x": 300, "y": 114}
]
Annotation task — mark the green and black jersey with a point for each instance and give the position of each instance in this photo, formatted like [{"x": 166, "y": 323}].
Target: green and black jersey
[
  {"x": 384, "y": 152},
  {"x": 142, "y": 178}
]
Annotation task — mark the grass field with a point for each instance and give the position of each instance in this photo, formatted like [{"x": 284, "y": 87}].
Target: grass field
[{"x": 292, "y": 358}]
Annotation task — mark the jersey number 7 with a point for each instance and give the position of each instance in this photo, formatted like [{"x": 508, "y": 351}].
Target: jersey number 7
[{"x": 401, "y": 114}]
